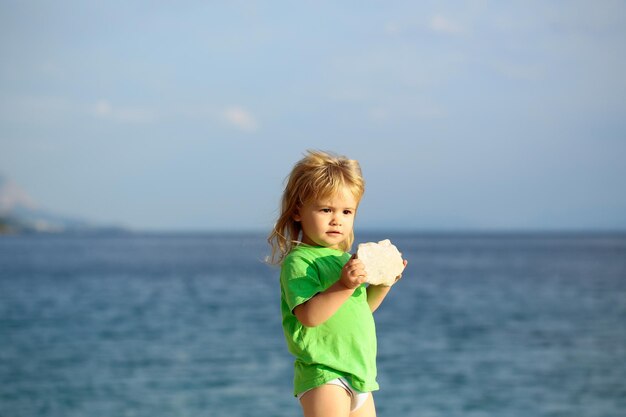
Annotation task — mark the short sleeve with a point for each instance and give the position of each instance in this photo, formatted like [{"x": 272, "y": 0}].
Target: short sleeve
[{"x": 299, "y": 280}]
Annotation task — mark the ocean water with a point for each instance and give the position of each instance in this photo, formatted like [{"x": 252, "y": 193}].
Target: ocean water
[{"x": 189, "y": 325}]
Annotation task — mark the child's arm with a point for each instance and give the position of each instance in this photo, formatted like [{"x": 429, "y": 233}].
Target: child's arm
[
  {"x": 323, "y": 305},
  {"x": 377, "y": 293}
]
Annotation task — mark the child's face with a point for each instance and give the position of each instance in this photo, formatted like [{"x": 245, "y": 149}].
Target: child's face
[{"x": 328, "y": 222}]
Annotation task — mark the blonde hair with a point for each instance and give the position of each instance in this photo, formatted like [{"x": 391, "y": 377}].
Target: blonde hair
[{"x": 317, "y": 176}]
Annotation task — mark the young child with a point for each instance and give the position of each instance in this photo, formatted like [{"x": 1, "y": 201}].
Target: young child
[{"x": 326, "y": 307}]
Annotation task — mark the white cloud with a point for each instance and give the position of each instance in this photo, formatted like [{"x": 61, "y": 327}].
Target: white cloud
[
  {"x": 55, "y": 110},
  {"x": 12, "y": 196},
  {"x": 105, "y": 110},
  {"x": 392, "y": 28},
  {"x": 240, "y": 118},
  {"x": 441, "y": 24}
]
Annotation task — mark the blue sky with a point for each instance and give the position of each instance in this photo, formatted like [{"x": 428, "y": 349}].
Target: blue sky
[{"x": 464, "y": 115}]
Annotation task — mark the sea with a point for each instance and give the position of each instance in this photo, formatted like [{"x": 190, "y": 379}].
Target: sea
[{"x": 166, "y": 325}]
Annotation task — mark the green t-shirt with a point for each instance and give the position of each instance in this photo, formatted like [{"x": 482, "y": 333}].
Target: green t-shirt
[{"x": 344, "y": 345}]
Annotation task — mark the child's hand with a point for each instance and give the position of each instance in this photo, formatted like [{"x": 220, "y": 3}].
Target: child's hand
[{"x": 353, "y": 273}]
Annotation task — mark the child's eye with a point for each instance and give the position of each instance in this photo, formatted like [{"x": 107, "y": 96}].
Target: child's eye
[
  {"x": 325, "y": 210},
  {"x": 347, "y": 212}
]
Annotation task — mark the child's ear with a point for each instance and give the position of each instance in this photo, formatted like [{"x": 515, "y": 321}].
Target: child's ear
[{"x": 296, "y": 216}]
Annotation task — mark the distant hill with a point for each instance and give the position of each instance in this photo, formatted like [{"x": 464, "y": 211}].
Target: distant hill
[{"x": 19, "y": 213}]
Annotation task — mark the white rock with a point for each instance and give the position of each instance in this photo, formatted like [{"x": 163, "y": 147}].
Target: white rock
[{"x": 383, "y": 262}]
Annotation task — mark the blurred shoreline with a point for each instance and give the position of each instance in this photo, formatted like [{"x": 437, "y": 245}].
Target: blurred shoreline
[{"x": 113, "y": 231}]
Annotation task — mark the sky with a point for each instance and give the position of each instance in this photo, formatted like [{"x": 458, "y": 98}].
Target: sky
[{"x": 464, "y": 115}]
